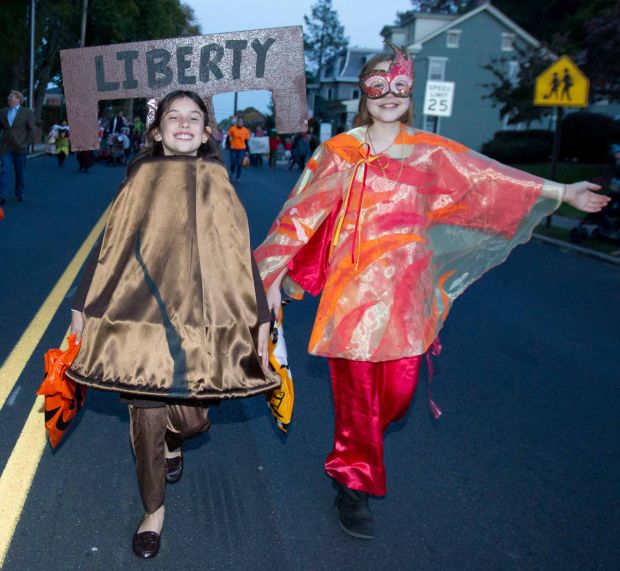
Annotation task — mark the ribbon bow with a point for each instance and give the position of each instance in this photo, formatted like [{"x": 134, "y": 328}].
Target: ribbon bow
[{"x": 364, "y": 161}]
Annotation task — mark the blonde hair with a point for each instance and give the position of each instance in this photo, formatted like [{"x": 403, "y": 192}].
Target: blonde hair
[{"x": 363, "y": 117}]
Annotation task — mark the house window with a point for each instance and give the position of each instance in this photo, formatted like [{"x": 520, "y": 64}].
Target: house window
[
  {"x": 453, "y": 38},
  {"x": 436, "y": 68},
  {"x": 355, "y": 94},
  {"x": 508, "y": 42},
  {"x": 329, "y": 93},
  {"x": 513, "y": 72}
]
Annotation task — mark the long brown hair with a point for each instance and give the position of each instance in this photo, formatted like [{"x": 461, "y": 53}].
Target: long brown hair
[
  {"x": 363, "y": 117},
  {"x": 153, "y": 148}
]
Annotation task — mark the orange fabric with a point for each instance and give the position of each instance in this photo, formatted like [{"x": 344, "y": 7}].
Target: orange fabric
[
  {"x": 423, "y": 137},
  {"x": 238, "y": 137},
  {"x": 424, "y": 219},
  {"x": 63, "y": 397}
]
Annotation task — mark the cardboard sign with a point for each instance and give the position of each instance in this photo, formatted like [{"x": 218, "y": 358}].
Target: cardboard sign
[{"x": 271, "y": 59}]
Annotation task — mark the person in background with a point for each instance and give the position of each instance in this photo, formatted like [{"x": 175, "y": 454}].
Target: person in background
[
  {"x": 118, "y": 123},
  {"x": 17, "y": 127},
  {"x": 62, "y": 147},
  {"x": 301, "y": 150},
  {"x": 137, "y": 133},
  {"x": 238, "y": 137},
  {"x": 274, "y": 143}
]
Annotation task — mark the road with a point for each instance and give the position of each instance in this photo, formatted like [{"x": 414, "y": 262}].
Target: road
[{"x": 520, "y": 472}]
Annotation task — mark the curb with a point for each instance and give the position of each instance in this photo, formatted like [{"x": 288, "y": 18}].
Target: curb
[{"x": 579, "y": 249}]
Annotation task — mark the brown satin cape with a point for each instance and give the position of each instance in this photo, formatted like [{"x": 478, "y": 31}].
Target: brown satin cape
[{"x": 171, "y": 311}]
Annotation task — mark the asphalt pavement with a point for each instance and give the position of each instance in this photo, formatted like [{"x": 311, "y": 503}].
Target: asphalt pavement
[{"x": 520, "y": 472}]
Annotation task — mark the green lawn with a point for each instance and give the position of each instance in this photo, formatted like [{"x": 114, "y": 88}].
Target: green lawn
[{"x": 567, "y": 173}]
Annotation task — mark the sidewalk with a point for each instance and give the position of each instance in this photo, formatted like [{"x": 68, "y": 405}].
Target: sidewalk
[
  {"x": 567, "y": 223},
  {"x": 38, "y": 149}
]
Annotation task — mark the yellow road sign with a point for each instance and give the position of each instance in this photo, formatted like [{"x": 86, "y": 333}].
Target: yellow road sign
[{"x": 563, "y": 84}]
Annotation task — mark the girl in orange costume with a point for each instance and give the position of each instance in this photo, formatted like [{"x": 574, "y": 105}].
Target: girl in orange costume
[{"x": 392, "y": 224}]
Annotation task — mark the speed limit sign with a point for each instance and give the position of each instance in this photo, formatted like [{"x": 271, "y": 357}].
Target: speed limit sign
[{"x": 438, "y": 98}]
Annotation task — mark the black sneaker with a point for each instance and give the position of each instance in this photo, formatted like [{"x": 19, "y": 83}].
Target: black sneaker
[{"x": 354, "y": 513}]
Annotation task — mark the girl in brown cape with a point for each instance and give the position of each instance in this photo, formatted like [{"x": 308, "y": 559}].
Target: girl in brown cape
[{"x": 171, "y": 310}]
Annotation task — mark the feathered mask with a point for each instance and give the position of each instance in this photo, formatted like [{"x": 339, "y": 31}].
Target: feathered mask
[{"x": 397, "y": 79}]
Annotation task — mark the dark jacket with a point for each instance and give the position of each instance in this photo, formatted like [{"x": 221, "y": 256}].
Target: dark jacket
[{"x": 16, "y": 138}]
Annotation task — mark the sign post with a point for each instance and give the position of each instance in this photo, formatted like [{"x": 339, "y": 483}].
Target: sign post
[{"x": 561, "y": 85}]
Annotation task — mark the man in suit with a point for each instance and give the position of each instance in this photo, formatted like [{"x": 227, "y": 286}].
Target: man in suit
[{"x": 16, "y": 133}]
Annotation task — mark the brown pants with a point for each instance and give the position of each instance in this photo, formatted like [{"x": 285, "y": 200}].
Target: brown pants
[{"x": 149, "y": 429}]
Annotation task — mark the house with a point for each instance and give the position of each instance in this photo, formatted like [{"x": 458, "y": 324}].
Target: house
[
  {"x": 454, "y": 48},
  {"x": 336, "y": 96},
  {"x": 445, "y": 48}
]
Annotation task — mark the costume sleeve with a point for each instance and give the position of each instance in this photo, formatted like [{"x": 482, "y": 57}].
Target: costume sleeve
[
  {"x": 79, "y": 299},
  {"x": 480, "y": 210},
  {"x": 314, "y": 196},
  {"x": 474, "y": 191}
]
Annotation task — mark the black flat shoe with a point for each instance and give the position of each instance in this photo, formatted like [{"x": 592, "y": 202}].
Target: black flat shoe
[
  {"x": 354, "y": 514},
  {"x": 146, "y": 544},
  {"x": 174, "y": 469}
]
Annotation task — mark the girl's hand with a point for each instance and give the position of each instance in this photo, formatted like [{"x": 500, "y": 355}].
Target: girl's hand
[
  {"x": 274, "y": 298},
  {"x": 77, "y": 324},
  {"x": 579, "y": 195},
  {"x": 263, "y": 344}
]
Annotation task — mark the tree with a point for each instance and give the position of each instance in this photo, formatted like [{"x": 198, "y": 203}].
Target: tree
[
  {"x": 435, "y": 7},
  {"x": 589, "y": 32},
  {"x": 58, "y": 27},
  {"x": 601, "y": 61},
  {"x": 324, "y": 37},
  {"x": 514, "y": 96}
]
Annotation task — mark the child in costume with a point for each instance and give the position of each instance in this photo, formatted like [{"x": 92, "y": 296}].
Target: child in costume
[
  {"x": 171, "y": 310},
  {"x": 392, "y": 224},
  {"x": 62, "y": 147}
]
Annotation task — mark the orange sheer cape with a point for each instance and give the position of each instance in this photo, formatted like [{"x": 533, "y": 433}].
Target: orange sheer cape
[{"x": 432, "y": 218}]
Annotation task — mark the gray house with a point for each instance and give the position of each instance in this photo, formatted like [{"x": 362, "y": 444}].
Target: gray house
[
  {"x": 454, "y": 48},
  {"x": 335, "y": 97}
]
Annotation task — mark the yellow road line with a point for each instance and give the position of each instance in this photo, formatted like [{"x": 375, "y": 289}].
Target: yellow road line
[
  {"x": 20, "y": 470},
  {"x": 20, "y": 355}
]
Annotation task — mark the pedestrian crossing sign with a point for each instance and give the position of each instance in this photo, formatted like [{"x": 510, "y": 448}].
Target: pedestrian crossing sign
[{"x": 562, "y": 84}]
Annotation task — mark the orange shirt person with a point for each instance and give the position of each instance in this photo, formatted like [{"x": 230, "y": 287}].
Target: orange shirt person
[{"x": 238, "y": 136}]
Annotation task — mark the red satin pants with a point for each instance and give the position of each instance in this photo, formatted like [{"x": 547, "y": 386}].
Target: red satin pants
[{"x": 367, "y": 398}]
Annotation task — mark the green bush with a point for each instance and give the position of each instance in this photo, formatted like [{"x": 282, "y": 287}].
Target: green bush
[
  {"x": 534, "y": 146},
  {"x": 587, "y": 137}
]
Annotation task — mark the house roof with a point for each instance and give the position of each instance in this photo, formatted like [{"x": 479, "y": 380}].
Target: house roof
[
  {"x": 355, "y": 59},
  {"x": 518, "y": 30}
]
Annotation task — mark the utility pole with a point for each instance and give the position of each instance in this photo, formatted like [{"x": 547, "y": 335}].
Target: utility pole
[
  {"x": 31, "y": 74},
  {"x": 83, "y": 31}
]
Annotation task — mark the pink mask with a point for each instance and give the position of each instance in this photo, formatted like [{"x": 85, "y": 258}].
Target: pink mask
[{"x": 397, "y": 79}]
